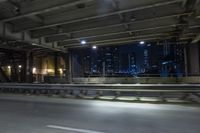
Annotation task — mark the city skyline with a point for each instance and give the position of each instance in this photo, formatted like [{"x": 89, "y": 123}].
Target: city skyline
[{"x": 130, "y": 59}]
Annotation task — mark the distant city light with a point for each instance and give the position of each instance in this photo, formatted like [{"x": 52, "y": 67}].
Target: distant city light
[
  {"x": 94, "y": 47},
  {"x": 20, "y": 66},
  {"x": 142, "y": 42},
  {"x": 83, "y": 42}
]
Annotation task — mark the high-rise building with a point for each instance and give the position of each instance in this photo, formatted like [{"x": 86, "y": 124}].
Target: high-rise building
[
  {"x": 132, "y": 63},
  {"x": 87, "y": 64},
  {"x": 116, "y": 60},
  {"x": 146, "y": 58},
  {"x": 107, "y": 61}
]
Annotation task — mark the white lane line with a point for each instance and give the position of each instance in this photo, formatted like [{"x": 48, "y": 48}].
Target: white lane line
[{"x": 72, "y": 129}]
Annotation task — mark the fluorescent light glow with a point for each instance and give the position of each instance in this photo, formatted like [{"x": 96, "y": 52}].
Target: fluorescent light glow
[
  {"x": 94, "y": 47},
  {"x": 34, "y": 70},
  {"x": 83, "y": 42},
  {"x": 133, "y": 19},
  {"x": 61, "y": 71},
  {"x": 34, "y": 44},
  {"x": 149, "y": 45},
  {"x": 142, "y": 42}
]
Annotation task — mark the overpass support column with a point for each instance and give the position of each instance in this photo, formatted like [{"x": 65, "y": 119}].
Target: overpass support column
[
  {"x": 56, "y": 64},
  {"x": 70, "y": 66},
  {"x": 14, "y": 75},
  {"x": 29, "y": 66},
  {"x": 194, "y": 60},
  {"x": 186, "y": 60}
]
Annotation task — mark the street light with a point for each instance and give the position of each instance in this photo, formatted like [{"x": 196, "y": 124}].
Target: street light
[{"x": 20, "y": 66}]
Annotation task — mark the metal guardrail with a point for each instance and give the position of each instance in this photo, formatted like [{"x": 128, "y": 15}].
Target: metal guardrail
[{"x": 100, "y": 89}]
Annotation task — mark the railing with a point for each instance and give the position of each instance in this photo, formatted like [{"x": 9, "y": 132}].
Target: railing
[{"x": 163, "y": 91}]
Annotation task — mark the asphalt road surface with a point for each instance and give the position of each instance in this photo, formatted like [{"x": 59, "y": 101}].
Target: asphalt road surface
[{"x": 33, "y": 114}]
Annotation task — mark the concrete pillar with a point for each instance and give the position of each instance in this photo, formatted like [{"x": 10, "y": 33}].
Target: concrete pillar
[
  {"x": 76, "y": 65},
  {"x": 23, "y": 70},
  {"x": 14, "y": 75},
  {"x": 194, "y": 66},
  {"x": 70, "y": 66},
  {"x": 104, "y": 68},
  {"x": 56, "y": 64},
  {"x": 29, "y": 66},
  {"x": 186, "y": 60}
]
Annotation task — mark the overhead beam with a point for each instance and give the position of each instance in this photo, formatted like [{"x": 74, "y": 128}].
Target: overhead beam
[
  {"x": 21, "y": 38},
  {"x": 100, "y": 16},
  {"x": 34, "y": 34},
  {"x": 196, "y": 39},
  {"x": 54, "y": 8},
  {"x": 116, "y": 6},
  {"x": 118, "y": 33},
  {"x": 36, "y": 18},
  {"x": 162, "y": 36},
  {"x": 2, "y": 1},
  {"x": 153, "y": 39},
  {"x": 189, "y": 6}
]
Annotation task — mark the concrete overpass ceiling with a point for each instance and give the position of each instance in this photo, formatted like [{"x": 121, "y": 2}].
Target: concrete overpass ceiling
[{"x": 62, "y": 24}]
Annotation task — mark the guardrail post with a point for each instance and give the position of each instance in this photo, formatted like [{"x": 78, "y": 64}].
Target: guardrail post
[
  {"x": 62, "y": 93},
  {"x": 117, "y": 94},
  {"x": 50, "y": 93},
  {"x": 37, "y": 92},
  {"x": 85, "y": 92},
  {"x": 138, "y": 96},
  {"x": 71, "y": 92},
  {"x": 81, "y": 94},
  {"x": 161, "y": 96},
  {"x": 185, "y": 96},
  {"x": 31, "y": 91},
  {"x": 99, "y": 94}
]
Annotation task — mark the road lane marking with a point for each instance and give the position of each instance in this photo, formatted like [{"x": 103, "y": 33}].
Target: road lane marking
[{"x": 72, "y": 129}]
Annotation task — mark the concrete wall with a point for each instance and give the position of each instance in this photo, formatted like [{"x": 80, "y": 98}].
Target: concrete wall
[{"x": 143, "y": 80}]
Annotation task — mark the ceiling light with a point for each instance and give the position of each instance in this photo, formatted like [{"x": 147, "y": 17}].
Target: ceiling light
[
  {"x": 94, "y": 47},
  {"x": 142, "y": 42},
  {"x": 83, "y": 42},
  {"x": 34, "y": 44},
  {"x": 34, "y": 70}
]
